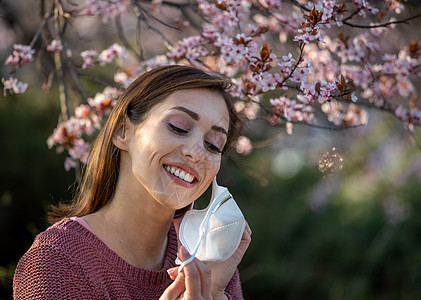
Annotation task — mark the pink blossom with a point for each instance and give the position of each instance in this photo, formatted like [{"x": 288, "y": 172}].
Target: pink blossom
[
  {"x": 363, "y": 6},
  {"x": 189, "y": 48},
  {"x": 243, "y": 146},
  {"x": 410, "y": 117},
  {"x": 89, "y": 57},
  {"x": 267, "y": 81},
  {"x": 344, "y": 115},
  {"x": 106, "y": 9},
  {"x": 65, "y": 134},
  {"x": 329, "y": 15},
  {"x": 210, "y": 31},
  {"x": 326, "y": 91},
  {"x": 287, "y": 64},
  {"x": 21, "y": 55},
  {"x": 233, "y": 53},
  {"x": 292, "y": 111},
  {"x": 395, "y": 5},
  {"x": 80, "y": 150},
  {"x": 308, "y": 35},
  {"x": 55, "y": 45},
  {"x": 271, "y": 4},
  {"x": 14, "y": 85},
  {"x": 154, "y": 62},
  {"x": 70, "y": 163},
  {"x": 110, "y": 53}
]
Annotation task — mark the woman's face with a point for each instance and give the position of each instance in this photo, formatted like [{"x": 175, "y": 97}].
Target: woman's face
[{"x": 176, "y": 151}]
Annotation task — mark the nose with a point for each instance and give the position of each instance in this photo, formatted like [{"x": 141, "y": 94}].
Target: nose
[{"x": 194, "y": 151}]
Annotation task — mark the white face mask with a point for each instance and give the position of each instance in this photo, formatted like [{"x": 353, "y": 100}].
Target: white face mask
[{"x": 214, "y": 233}]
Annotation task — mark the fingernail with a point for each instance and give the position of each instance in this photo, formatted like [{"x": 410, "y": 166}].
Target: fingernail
[{"x": 172, "y": 271}]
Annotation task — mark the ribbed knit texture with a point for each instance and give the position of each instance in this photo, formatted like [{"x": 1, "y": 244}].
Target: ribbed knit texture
[{"x": 67, "y": 261}]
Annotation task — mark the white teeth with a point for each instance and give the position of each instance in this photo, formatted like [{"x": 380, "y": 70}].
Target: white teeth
[{"x": 180, "y": 174}]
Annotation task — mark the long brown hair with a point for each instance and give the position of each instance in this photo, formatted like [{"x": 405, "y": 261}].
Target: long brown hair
[{"x": 101, "y": 172}]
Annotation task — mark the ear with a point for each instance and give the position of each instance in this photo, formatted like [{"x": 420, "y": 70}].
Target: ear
[{"x": 121, "y": 135}]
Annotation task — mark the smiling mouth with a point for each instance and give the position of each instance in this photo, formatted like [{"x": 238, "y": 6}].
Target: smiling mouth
[{"x": 187, "y": 177}]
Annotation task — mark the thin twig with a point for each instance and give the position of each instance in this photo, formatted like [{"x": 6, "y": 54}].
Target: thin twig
[
  {"x": 40, "y": 28},
  {"x": 345, "y": 21},
  {"x": 140, "y": 16},
  {"x": 157, "y": 19},
  {"x": 97, "y": 79},
  {"x": 295, "y": 66},
  {"x": 122, "y": 37},
  {"x": 138, "y": 33},
  {"x": 383, "y": 24},
  {"x": 302, "y": 7},
  {"x": 352, "y": 15}
]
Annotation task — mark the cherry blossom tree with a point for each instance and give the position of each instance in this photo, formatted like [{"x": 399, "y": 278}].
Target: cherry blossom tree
[{"x": 318, "y": 63}]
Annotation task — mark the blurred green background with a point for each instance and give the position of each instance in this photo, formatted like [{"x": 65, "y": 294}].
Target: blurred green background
[{"x": 353, "y": 234}]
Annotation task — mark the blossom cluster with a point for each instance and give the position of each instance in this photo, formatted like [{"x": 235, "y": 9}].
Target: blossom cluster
[
  {"x": 91, "y": 57},
  {"x": 410, "y": 116},
  {"x": 106, "y": 9},
  {"x": 55, "y": 45},
  {"x": 246, "y": 41},
  {"x": 344, "y": 115},
  {"x": 13, "y": 84},
  {"x": 72, "y": 135},
  {"x": 21, "y": 55}
]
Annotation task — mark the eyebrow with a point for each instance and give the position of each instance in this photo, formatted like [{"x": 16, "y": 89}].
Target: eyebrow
[{"x": 196, "y": 117}]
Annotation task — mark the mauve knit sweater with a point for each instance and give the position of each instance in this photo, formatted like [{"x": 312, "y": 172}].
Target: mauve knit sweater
[{"x": 67, "y": 261}]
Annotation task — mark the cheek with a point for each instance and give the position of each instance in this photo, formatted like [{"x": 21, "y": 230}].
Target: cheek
[{"x": 211, "y": 167}]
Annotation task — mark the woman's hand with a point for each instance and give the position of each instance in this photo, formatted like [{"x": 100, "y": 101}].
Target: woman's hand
[
  {"x": 193, "y": 282},
  {"x": 221, "y": 272}
]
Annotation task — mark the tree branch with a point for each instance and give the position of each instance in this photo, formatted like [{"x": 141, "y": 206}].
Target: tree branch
[
  {"x": 383, "y": 24},
  {"x": 46, "y": 17},
  {"x": 65, "y": 113},
  {"x": 141, "y": 16},
  {"x": 122, "y": 37}
]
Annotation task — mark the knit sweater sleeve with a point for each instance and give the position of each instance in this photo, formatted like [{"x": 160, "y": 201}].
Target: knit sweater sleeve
[
  {"x": 44, "y": 272},
  {"x": 233, "y": 290}
]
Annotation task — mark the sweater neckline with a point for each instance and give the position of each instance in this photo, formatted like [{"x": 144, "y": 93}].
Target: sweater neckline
[{"x": 142, "y": 276}]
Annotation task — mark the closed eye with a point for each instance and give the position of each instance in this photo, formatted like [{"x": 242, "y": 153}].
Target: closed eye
[
  {"x": 213, "y": 148},
  {"x": 176, "y": 129}
]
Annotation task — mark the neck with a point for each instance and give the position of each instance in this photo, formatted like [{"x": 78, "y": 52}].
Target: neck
[{"x": 134, "y": 227}]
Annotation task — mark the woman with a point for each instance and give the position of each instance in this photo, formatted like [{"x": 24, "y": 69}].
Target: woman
[{"x": 158, "y": 152}]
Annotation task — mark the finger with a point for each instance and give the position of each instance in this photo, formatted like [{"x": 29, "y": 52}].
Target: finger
[
  {"x": 175, "y": 289},
  {"x": 242, "y": 247},
  {"x": 192, "y": 281},
  {"x": 245, "y": 241},
  {"x": 248, "y": 229},
  {"x": 205, "y": 278},
  {"x": 173, "y": 272}
]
